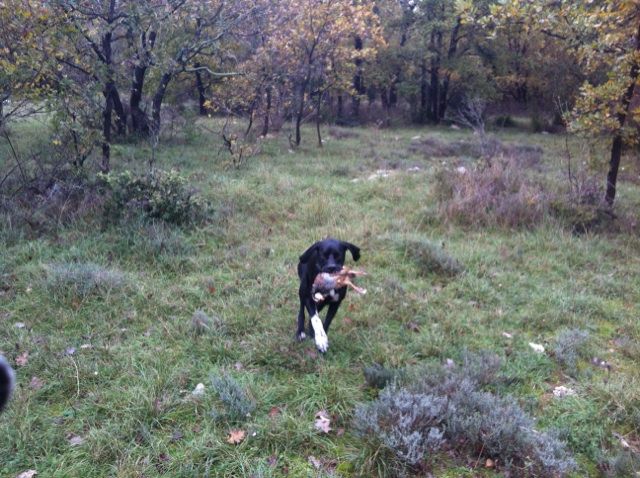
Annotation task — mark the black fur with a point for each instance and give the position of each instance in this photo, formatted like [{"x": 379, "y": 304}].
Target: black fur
[
  {"x": 327, "y": 255},
  {"x": 7, "y": 382}
]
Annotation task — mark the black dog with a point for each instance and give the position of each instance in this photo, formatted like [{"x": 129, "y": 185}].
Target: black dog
[
  {"x": 7, "y": 382},
  {"x": 324, "y": 256}
]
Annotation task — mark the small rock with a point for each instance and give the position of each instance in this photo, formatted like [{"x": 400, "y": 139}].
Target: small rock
[
  {"x": 537, "y": 347},
  {"x": 198, "y": 391},
  {"x": 561, "y": 391}
]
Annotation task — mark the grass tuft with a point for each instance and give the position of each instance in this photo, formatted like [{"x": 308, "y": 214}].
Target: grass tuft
[{"x": 82, "y": 279}]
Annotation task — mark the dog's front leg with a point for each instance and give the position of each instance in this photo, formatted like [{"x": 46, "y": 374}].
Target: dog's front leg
[
  {"x": 331, "y": 313},
  {"x": 319, "y": 334}
]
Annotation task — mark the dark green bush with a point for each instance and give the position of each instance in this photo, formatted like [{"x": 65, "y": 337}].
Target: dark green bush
[
  {"x": 158, "y": 194},
  {"x": 378, "y": 376}
]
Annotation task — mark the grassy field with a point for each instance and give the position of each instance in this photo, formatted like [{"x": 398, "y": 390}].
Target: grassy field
[{"x": 106, "y": 373}]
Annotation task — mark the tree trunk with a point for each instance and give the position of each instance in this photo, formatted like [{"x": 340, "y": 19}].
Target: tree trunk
[
  {"x": 202, "y": 97},
  {"x": 358, "y": 83},
  {"x": 424, "y": 93},
  {"x": 300, "y": 112},
  {"x": 121, "y": 116},
  {"x": 386, "y": 106},
  {"x": 434, "y": 82},
  {"x": 106, "y": 132},
  {"x": 453, "y": 48},
  {"x": 156, "y": 104},
  {"x": 616, "y": 146},
  {"x": 139, "y": 122},
  {"x": 267, "y": 112},
  {"x": 340, "y": 112},
  {"x": 318, "y": 105},
  {"x": 109, "y": 85}
]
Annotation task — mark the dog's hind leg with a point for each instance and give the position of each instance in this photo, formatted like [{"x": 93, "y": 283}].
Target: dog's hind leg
[{"x": 300, "y": 335}]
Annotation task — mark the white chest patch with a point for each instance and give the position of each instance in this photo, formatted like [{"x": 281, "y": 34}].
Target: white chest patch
[{"x": 321, "y": 339}]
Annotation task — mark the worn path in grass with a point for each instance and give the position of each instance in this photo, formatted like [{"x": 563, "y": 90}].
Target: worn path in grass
[{"x": 106, "y": 374}]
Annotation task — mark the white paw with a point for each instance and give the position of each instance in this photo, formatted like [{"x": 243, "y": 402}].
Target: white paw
[
  {"x": 302, "y": 336},
  {"x": 322, "y": 341}
]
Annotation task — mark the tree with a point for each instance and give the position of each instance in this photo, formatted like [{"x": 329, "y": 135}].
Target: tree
[
  {"x": 314, "y": 40},
  {"x": 604, "y": 36},
  {"x": 24, "y": 58}
]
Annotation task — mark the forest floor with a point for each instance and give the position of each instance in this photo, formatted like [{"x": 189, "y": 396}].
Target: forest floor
[{"x": 106, "y": 374}]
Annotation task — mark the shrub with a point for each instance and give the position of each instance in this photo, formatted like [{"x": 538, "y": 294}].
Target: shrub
[
  {"x": 624, "y": 463},
  {"x": 406, "y": 422},
  {"x": 429, "y": 257},
  {"x": 570, "y": 346},
  {"x": 201, "y": 323},
  {"x": 378, "y": 376},
  {"x": 235, "y": 399},
  {"x": 499, "y": 193},
  {"x": 82, "y": 279},
  {"x": 581, "y": 205},
  {"x": 447, "y": 404},
  {"x": 157, "y": 195}
]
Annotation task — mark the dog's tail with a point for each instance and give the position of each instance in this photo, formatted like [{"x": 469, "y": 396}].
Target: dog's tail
[{"x": 7, "y": 382}]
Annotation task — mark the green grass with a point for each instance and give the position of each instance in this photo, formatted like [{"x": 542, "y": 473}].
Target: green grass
[{"x": 127, "y": 393}]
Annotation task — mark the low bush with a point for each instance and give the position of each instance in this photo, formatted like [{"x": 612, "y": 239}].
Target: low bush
[
  {"x": 571, "y": 346},
  {"x": 499, "y": 193},
  {"x": 580, "y": 205},
  {"x": 159, "y": 194},
  {"x": 201, "y": 323},
  {"x": 431, "y": 258},
  {"x": 378, "y": 376},
  {"x": 236, "y": 402},
  {"x": 446, "y": 405},
  {"x": 624, "y": 463}
]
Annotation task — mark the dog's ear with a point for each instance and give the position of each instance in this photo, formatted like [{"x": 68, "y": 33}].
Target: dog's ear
[
  {"x": 308, "y": 254},
  {"x": 355, "y": 250}
]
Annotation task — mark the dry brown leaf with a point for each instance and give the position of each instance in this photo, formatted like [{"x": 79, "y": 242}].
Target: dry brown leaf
[
  {"x": 489, "y": 463},
  {"x": 322, "y": 422},
  {"x": 22, "y": 359},
  {"x": 36, "y": 383},
  {"x": 274, "y": 412},
  {"x": 236, "y": 436}
]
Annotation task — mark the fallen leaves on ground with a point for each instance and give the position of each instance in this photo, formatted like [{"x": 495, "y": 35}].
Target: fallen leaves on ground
[
  {"x": 236, "y": 436},
  {"x": 22, "y": 359},
  {"x": 322, "y": 422},
  {"x": 36, "y": 383}
]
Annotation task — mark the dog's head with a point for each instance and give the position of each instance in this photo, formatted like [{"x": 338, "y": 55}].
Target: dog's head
[{"x": 328, "y": 255}]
